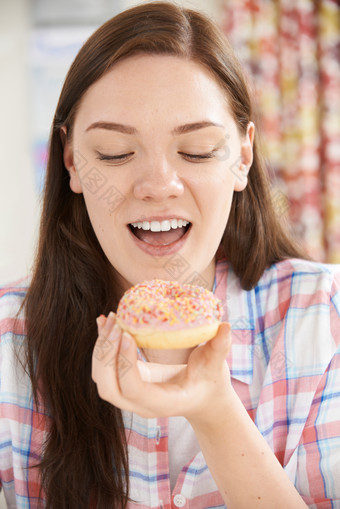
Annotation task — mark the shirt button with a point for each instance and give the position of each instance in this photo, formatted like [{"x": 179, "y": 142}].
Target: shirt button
[
  {"x": 158, "y": 435},
  {"x": 179, "y": 500}
]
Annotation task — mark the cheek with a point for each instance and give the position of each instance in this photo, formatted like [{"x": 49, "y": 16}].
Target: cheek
[
  {"x": 103, "y": 220},
  {"x": 102, "y": 195},
  {"x": 218, "y": 198},
  {"x": 218, "y": 186},
  {"x": 99, "y": 213}
]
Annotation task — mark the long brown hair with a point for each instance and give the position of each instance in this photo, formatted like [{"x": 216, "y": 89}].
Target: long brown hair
[{"x": 85, "y": 459}]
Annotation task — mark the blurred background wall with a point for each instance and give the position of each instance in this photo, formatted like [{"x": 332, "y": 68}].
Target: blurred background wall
[{"x": 291, "y": 51}]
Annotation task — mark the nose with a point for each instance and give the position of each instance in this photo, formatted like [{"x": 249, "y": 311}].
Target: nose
[{"x": 158, "y": 182}]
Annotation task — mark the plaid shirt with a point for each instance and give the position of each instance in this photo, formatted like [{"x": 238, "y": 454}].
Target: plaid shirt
[{"x": 285, "y": 367}]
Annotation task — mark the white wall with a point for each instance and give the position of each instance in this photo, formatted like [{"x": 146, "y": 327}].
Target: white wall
[
  {"x": 19, "y": 200},
  {"x": 210, "y": 7}
]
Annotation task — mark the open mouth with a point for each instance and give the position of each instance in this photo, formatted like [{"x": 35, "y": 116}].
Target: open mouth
[{"x": 160, "y": 233}]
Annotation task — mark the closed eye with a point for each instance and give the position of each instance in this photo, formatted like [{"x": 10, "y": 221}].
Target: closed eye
[
  {"x": 113, "y": 158},
  {"x": 197, "y": 157}
]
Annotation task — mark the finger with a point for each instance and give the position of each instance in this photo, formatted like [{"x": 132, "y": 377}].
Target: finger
[
  {"x": 101, "y": 320},
  {"x": 107, "y": 370},
  {"x": 110, "y": 367},
  {"x": 105, "y": 324},
  {"x": 130, "y": 385},
  {"x": 105, "y": 350},
  {"x": 106, "y": 346},
  {"x": 221, "y": 343},
  {"x": 211, "y": 356},
  {"x": 148, "y": 399}
]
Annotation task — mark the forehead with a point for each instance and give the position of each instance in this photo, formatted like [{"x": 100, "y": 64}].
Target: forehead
[{"x": 161, "y": 86}]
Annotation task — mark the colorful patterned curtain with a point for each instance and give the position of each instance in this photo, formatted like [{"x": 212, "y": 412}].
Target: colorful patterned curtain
[{"x": 291, "y": 50}]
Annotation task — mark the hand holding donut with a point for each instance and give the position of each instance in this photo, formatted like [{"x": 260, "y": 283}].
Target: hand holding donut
[{"x": 195, "y": 390}]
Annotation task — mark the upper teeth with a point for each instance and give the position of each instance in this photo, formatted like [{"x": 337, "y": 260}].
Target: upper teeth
[{"x": 161, "y": 226}]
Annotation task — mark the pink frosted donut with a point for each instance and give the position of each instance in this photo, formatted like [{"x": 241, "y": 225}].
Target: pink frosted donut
[{"x": 166, "y": 315}]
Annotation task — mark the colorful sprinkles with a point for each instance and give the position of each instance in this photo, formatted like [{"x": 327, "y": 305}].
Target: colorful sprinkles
[{"x": 169, "y": 304}]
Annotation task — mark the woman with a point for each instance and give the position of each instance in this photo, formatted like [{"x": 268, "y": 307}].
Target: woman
[{"x": 154, "y": 126}]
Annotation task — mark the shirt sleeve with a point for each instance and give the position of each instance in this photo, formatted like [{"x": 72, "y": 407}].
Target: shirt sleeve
[
  {"x": 7, "y": 393},
  {"x": 21, "y": 428},
  {"x": 318, "y": 453}
]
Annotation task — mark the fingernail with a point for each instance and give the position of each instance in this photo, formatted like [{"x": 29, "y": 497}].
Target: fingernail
[
  {"x": 100, "y": 320},
  {"x": 126, "y": 341},
  {"x": 111, "y": 318},
  {"x": 115, "y": 333}
]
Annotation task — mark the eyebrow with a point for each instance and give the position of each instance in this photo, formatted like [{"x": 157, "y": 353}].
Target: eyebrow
[
  {"x": 113, "y": 126},
  {"x": 126, "y": 129},
  {"x": 187, "y": 128}
]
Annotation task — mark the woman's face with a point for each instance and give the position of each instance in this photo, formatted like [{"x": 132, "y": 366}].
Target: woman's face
[{"x": 157, "y": 156}]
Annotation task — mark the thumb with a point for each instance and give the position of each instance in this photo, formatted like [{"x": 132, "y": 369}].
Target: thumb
[
  {"x": 220, "y": 345},
  {"x": 211, "y": 356}
]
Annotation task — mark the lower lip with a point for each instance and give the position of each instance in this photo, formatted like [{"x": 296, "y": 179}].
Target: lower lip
[{"x": 160, "y": 250}]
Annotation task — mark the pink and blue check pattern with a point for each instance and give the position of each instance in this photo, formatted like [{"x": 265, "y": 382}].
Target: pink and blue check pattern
[{"x": 285, "y": 367}]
